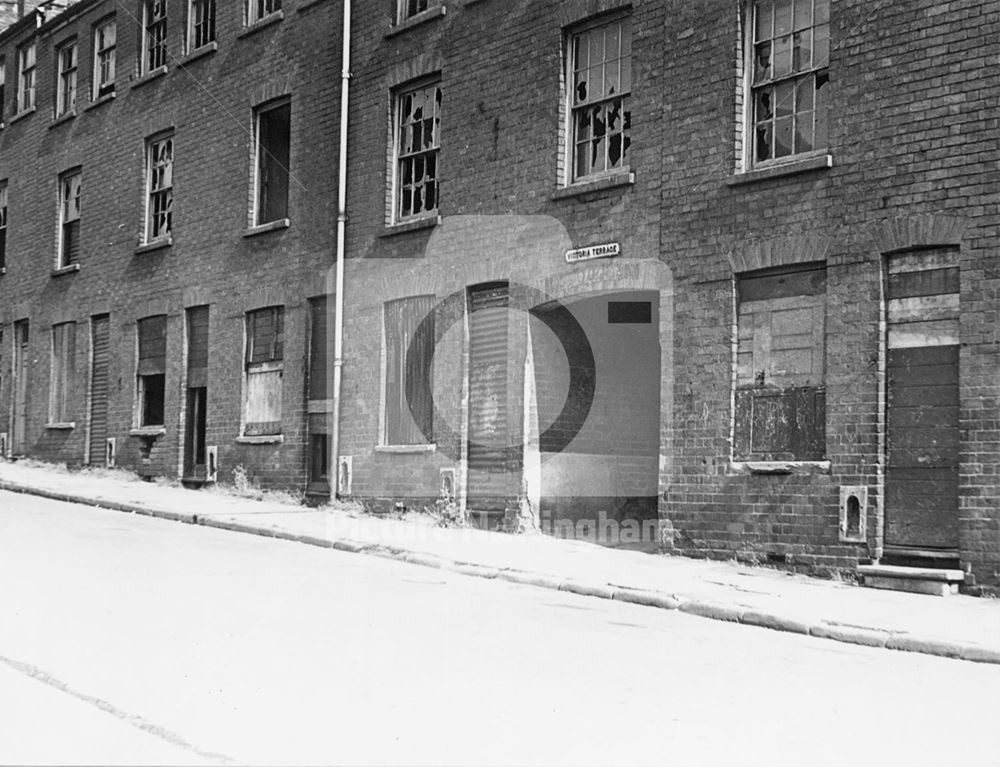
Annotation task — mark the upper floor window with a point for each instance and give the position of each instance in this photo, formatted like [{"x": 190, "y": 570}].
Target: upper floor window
[
  {"x": 3, "y": 225},
  {"x": 105, "y": 35},
  {"x": 600, "y": 79},
  {"x": 409, "y": 8},
  {"x": 26, "y": 77},
  {"x": 159, "y": 187},
  {"x": 259, "y": 9},
  {"x": 69, "y": 219},
  {"x": 417, "y": 147},
  {"x": 201, "y": 23},
  {"x": 788, "y": 59},
  {"x": 3, "y": 79},
  {"x": 273, "y": 155},
  {"x": 66, "y": 56},
  {"x": 154, "y": 35}
]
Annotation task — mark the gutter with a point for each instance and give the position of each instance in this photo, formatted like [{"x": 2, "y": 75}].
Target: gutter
[{"x": 338, "y": 320}]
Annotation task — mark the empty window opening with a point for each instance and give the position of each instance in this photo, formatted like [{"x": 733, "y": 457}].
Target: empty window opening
[{"x": 273, "y": 158}]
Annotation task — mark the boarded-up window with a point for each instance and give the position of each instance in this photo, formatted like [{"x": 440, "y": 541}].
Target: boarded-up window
[
  {"x": 264, "y": 371},
  {"x": 318, "y": 347},
  {"x": 409, "y": 348},
  {"x": 197, "y": 327},
  {"x": 151, "y": 370},
  {"x": 780, "y": 385},
  {"x": 62, "y": 371}
]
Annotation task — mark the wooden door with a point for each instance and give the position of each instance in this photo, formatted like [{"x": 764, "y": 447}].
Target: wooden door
[
  {"x": 100, "y": 350},
  {"x": 20, "y": 414},
  {"x": 488, "y": 482},
  {"x": 922, "y": 403}
]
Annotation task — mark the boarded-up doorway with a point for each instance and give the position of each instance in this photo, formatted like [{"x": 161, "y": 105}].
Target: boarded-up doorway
[
  {"x": 99, "y": 352},
  {"x": 922, "y": 401},
  {"x": 489, "y": 484},
  {"x": 20, "y": 413}
]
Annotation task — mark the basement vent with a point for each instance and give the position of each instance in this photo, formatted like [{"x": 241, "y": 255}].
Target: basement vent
[
  {"x": 853, "y": 513},
  {"x": 3, "y": 445},
  {"x": 448, "y": 484},
  {"x": 212, "y": 464},
  {"x": 110, "y": 452},
  {"x": 344, "y": 471}
]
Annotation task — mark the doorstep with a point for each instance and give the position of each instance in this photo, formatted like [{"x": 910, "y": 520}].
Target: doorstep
[{"x": 918, "y": 580}]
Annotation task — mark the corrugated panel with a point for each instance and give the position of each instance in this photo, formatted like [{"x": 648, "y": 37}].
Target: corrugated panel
[
  {"x": 488, "y": 480},
  {"x": 99, "y": 339}
]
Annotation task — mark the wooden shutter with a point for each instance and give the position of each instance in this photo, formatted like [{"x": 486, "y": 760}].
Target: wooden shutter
[
  {"x": 409, "y": 355},
  {"x": 318, "y": 348},
  {"x": 153, "y": 345},
  {"x": 197, "y": 367}
]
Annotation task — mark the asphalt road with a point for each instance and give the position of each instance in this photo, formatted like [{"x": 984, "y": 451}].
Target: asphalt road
[{"x": 126, "y": 639}]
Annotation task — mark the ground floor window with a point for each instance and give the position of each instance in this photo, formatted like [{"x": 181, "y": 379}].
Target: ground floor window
[
  {"x": 409, "y": 350},
  {"x": 780, "y": 385},
  {"x": 264, "y": 371},
  {"x": 151, "y": 371}
]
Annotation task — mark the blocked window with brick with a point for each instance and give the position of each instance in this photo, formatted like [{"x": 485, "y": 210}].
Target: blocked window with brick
[
  {"x": 780, "y": 384},
  {"x": 264, "y": 363}
]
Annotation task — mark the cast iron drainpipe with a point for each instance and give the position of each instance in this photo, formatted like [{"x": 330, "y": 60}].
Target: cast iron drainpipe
[{"x": 333, "y": 472}]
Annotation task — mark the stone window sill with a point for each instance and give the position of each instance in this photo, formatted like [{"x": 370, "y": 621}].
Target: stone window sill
[
  {"x": 149, "y": 247},
  {"x": 821, "y": 161},
  {"x": 198, "y": 53},
  {"x": 611, "y": 181},
  {"x": 148, "y": 431},
  {"x": 260, "y": 24},
  {"x": 406, "y": 449},
  {"x": 427, "y": 222},
  {"x": 61, "y": 425},
  {"x": 416, "y": 20},
  {"x": 106, "y": 98},
  {"x": 151, "y": 75},
  {"x": 304, "y": 4},
  {"x": 779, "y": 467},
  {"x": 62, "y": 119},
  {"x": 270, "y": 226},
  {"x": 261, "y": 439},
  {"x": 71, "y": 269},
  {"x": 22, "y": 115}
]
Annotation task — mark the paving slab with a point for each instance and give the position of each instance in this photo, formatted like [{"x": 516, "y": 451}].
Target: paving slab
[{"x": 956, "y": 626}]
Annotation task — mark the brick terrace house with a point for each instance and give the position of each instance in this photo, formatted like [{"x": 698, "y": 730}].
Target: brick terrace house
[
  {"x": 717, "y": 276},
  {"x": 166, "y": 207}
]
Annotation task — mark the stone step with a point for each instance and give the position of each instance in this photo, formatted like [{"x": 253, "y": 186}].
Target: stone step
[{"x": 918, "y": 580}]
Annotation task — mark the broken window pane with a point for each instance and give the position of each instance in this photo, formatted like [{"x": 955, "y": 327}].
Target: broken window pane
[
  {"x": 602, "y": 80},
  {"x": 788, "y": 69},
  {"x": 418, "y": 132}
]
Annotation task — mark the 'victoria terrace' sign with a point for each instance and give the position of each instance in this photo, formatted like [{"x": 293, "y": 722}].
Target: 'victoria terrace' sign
[{"x": 610, "y": 250}]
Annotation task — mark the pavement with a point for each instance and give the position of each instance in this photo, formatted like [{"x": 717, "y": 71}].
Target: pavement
[{"x": 956, "y": 626}]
